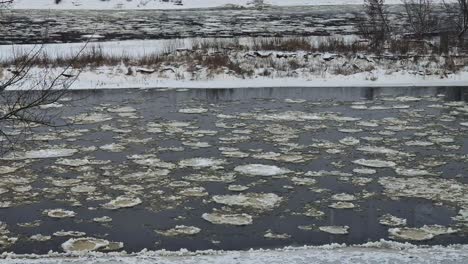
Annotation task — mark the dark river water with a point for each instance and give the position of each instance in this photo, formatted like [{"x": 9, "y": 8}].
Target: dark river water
[
  {"x": 194, "y": 149},
  {"x": 65, "y": 26}
]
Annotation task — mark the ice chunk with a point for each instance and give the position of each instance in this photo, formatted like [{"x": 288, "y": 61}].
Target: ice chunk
[
  {"x": 180, "y": 230},
  {"x": 375, "y": 163},
  {"x": 41, "y": 154},
  {"x": 60, "y": 213},
  {"x": 201, "y": 162},
  {"x": 122, "y": 202},
  {"x": 264, "y": 201},
  {"x": 261, "y": 170},
  {"x": 193, "y": 110},
  {"x": 336, "y": 230},
  {"x": 390, "y": 220},
  {"x": 83, "y": 245},
  {"x": 228, "y": 219}
]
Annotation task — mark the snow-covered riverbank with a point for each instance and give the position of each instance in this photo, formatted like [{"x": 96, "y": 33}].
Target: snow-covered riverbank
[{"x": 377, "y": 252}]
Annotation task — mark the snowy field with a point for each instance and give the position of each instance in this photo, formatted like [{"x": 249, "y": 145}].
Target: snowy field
[{"x": 158, "y": 4}]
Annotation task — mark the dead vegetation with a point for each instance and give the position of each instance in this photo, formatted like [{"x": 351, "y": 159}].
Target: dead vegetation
[{"x": 268, "y": 57}]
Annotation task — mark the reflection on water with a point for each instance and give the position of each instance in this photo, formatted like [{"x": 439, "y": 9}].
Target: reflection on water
[{"x": 312, "y": 94}]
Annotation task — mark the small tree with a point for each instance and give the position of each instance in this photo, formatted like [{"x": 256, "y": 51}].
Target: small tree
[
  {"x": 375, "y": 26},
  {"x": 420, "y": 16},
  {"x": 24, "y": 89},
  {"x": 457, "y": 14}
]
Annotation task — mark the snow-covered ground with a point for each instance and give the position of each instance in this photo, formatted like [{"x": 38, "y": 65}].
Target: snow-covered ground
[
  {"x": 109, "y": 78},
  {"x": 158, "y": 4},
  {"x": 377, "y": 252}
]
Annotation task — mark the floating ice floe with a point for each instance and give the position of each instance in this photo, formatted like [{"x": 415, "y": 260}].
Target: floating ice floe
[
  {"x": 434, "y": 189},
  {"x": 124, "y": 109},
  {"x": 375, "y": 163},
  {"x": 51, "y": 105},
  {"x": 419, "y": 234},
  {"x": 237, "y": 188},
  {"x": 40, "y": 154},
  {"x": 90, "y": 118},
  {"x": 113, "y": 147},
  {"x": 419, "y": 143},
  {"x": 462, "y": 215},
  {"x": 193, "y": 110},
  {"x": 442, "y": 139},
  {"x": 211, "y": 177},
  {"x": 327, "y": 173},
  {"x": 60, "y": 213},
  {"x": 465, "y": 124},
  {"x": 233, "y": 153},
  {"x": 151, "y": 161},
  {"x": 102, "y": 219},
  {"x": 311, "y": 211},
  {"x": 81, "y": 162},
  {"x": 390, "y": 220},
  {"x": 380, "y": 150},
  {"x": 228, "y": 219},
  {"x": 279, "y": 157},
  {"x": 404, "y": 99},
  {"x": 303, "y": 181},
  {"x": 122, "y": 202},
  {"x": 6, "y": 241},
  {"x": 344, "y": 197},
  {"x": 63, "y": 233},
  {"x": 342, "y": 205},
  {"x": 335, "y": 230},
  {"x": 261, "y": 170},
  {"x": 412, "y": 172},
  {"x": 350, "y": 130},
  {"x": 263, "y": 201},
  {"x": 7, "y": 169},
  {"x": 40, "y": 237},
  {"x": 180, "y": 230},
  {"x": 83, "y": 245},
  {"x": 271, "y": 235},
  {"x": 367, "y": 124},
  {"x": 194, "y": 192},
  {"x": 83, "y": 189},
  {"x": 295, "y": 101},
  {"x": 65, "y": 182},
  {"x": 361, "y": 181},
  {"x": 201, "y": 162},
  {"x": 197, "y": 144},
  {"x": 365, "y": 171},
  {"x": 349, "y": 141}
]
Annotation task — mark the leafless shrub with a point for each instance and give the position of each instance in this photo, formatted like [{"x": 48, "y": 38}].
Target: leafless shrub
[
  {"x": 20, "y": 109},
  {"x": 282, "y": 44},
  {"x": 457, "y": 16},
  {"x": 375, "y": 25},
  {"x": 421, "y": 17}
]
